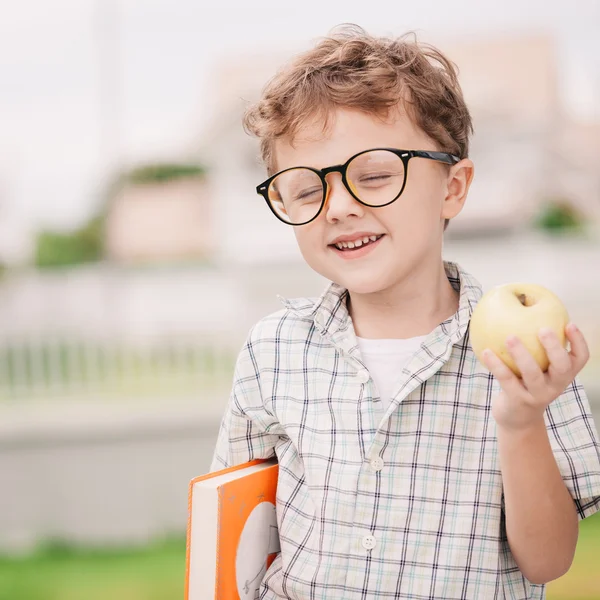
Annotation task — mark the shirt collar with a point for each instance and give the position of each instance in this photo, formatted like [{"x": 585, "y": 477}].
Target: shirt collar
[{"x": 330, "y": 314}]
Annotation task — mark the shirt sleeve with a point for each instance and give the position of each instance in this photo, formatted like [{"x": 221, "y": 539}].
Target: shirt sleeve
[
  {"x": 574, "y": 439},
  {"x": 248, "y": 430}
]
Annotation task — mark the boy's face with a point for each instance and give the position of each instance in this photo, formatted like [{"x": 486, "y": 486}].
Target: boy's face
[{"x": 411, "y": 227}]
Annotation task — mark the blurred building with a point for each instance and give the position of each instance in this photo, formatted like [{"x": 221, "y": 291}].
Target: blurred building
[
  {"x": 512, "y": 89},
  {"x": 523, "y": 146},
  {"x": 576, "y": 157},
  {"x": 527, "y": 146},
  {"x": 161, "y": 222}
]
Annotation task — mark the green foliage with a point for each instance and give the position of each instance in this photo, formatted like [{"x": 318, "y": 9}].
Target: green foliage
[
  {"x": 559, "y": 215},
  {"x": 58, "y": 249},
  {"x": 163, "y": 172}
]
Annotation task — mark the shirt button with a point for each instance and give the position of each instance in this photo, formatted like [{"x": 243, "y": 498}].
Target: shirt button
[
  {"x": 369, "y": 542},
  {"x": 377, "y": 463},
  {"x": 363, "y": 376}
]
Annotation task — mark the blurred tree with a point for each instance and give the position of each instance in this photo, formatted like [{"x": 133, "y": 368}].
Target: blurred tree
[
  {"x": 162, "y": 173},
  {"x": 559, "y": 215},
  {"x": 84, "y": 245}
]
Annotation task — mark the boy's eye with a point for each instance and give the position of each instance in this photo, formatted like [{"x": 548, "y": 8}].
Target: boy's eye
[
  {"x": 308, "y": 194},
  {"x": 375, "y": 177}
]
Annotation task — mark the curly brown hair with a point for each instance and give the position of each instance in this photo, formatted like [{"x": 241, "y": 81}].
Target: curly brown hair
[{"x": 351, "y": 69}]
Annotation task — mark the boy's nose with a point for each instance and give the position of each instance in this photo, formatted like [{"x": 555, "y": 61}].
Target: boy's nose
[{"x": 340, "y": 204}]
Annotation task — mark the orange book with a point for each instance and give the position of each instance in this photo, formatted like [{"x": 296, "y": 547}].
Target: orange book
[{"x": 232, "y": 536}]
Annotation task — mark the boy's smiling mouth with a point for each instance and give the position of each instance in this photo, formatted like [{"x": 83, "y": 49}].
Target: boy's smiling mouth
[{"x": 355, "y": 245}]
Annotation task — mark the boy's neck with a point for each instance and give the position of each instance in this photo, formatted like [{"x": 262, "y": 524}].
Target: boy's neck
[{"x": 414, "y": 307}]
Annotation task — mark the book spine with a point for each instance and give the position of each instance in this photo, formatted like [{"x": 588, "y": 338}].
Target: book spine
[
  {"x": 187, "y": 543},
  {"x": 219, "y": 518}
]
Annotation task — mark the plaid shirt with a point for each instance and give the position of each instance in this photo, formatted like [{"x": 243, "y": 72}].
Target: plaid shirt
[{"x": 402, "y": 504}]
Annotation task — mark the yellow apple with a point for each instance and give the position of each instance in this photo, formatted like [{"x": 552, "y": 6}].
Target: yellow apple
[{"x": 520, "y": 309}]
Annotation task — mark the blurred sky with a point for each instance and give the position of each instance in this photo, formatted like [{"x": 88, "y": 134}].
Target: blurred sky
[{"x": 86, "y": 83}]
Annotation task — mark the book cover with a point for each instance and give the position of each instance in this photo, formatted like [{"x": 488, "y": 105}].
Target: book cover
[{"x": 232, "y": 534}]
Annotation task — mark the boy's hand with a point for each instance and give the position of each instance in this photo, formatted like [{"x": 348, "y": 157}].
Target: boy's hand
[{"x": 522, "y": 402}]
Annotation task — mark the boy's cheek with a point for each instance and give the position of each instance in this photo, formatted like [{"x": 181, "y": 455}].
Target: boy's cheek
[{"x": 311, "y": 241}]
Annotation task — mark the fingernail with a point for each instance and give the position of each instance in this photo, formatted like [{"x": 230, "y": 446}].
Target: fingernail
[
  {"x": 546, "y": 332},
  {"x": 511, "y": 341},
  {"x": 572, "y": 327}
]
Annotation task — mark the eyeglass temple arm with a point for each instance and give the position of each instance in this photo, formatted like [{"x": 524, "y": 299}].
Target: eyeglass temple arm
[{"x": 444, "y": 157}]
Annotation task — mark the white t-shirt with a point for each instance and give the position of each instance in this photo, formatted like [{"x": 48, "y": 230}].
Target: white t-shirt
[{"x": 385, "y": 358}]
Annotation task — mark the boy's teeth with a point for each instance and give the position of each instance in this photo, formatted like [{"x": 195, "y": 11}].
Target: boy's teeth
[{"x": 357, "y": 243}]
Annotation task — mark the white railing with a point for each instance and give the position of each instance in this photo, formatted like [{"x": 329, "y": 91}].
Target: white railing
[{"x": 67, "y": 366}]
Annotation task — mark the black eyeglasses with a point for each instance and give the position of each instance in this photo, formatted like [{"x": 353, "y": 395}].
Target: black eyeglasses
[{"x": 374, "y": 177}]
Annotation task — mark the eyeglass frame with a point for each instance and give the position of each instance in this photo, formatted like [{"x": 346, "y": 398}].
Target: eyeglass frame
[{"x": 263, "y": 188}]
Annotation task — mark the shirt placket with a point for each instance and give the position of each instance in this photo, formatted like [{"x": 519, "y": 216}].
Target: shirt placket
[
  {"x": 367, "y": 542},
  {"x": 364, "y": 538},
  {"x": 368, "y": 416}
]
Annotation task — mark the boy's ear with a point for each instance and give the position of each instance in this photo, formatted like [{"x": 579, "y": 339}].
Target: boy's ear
[{"x": 459, "y": 181}]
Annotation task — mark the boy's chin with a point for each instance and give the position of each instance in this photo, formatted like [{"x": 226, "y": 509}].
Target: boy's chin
[
  {"x": 361, "y": 281},
  {"x": 364, "y": 290},
  {"x": 362, "y": 284}
]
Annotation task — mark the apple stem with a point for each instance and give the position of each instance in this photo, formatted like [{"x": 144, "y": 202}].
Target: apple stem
[{"x": 523, "y": 299}]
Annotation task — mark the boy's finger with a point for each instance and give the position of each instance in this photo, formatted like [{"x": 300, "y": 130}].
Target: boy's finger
[
  {"x": 531, "y": 374},
  {"x": 561, "y": 363},
  {"x": 508, "y": 381},
  {"x": 579, "y": 348}
]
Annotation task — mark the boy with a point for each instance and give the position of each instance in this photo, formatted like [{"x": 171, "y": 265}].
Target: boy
[{"x": 407, "y": 469}]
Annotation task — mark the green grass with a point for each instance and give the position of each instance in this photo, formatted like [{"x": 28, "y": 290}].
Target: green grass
[
  {"x": 154, "y": 573},
  {"x": 157, "y": 572}
]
